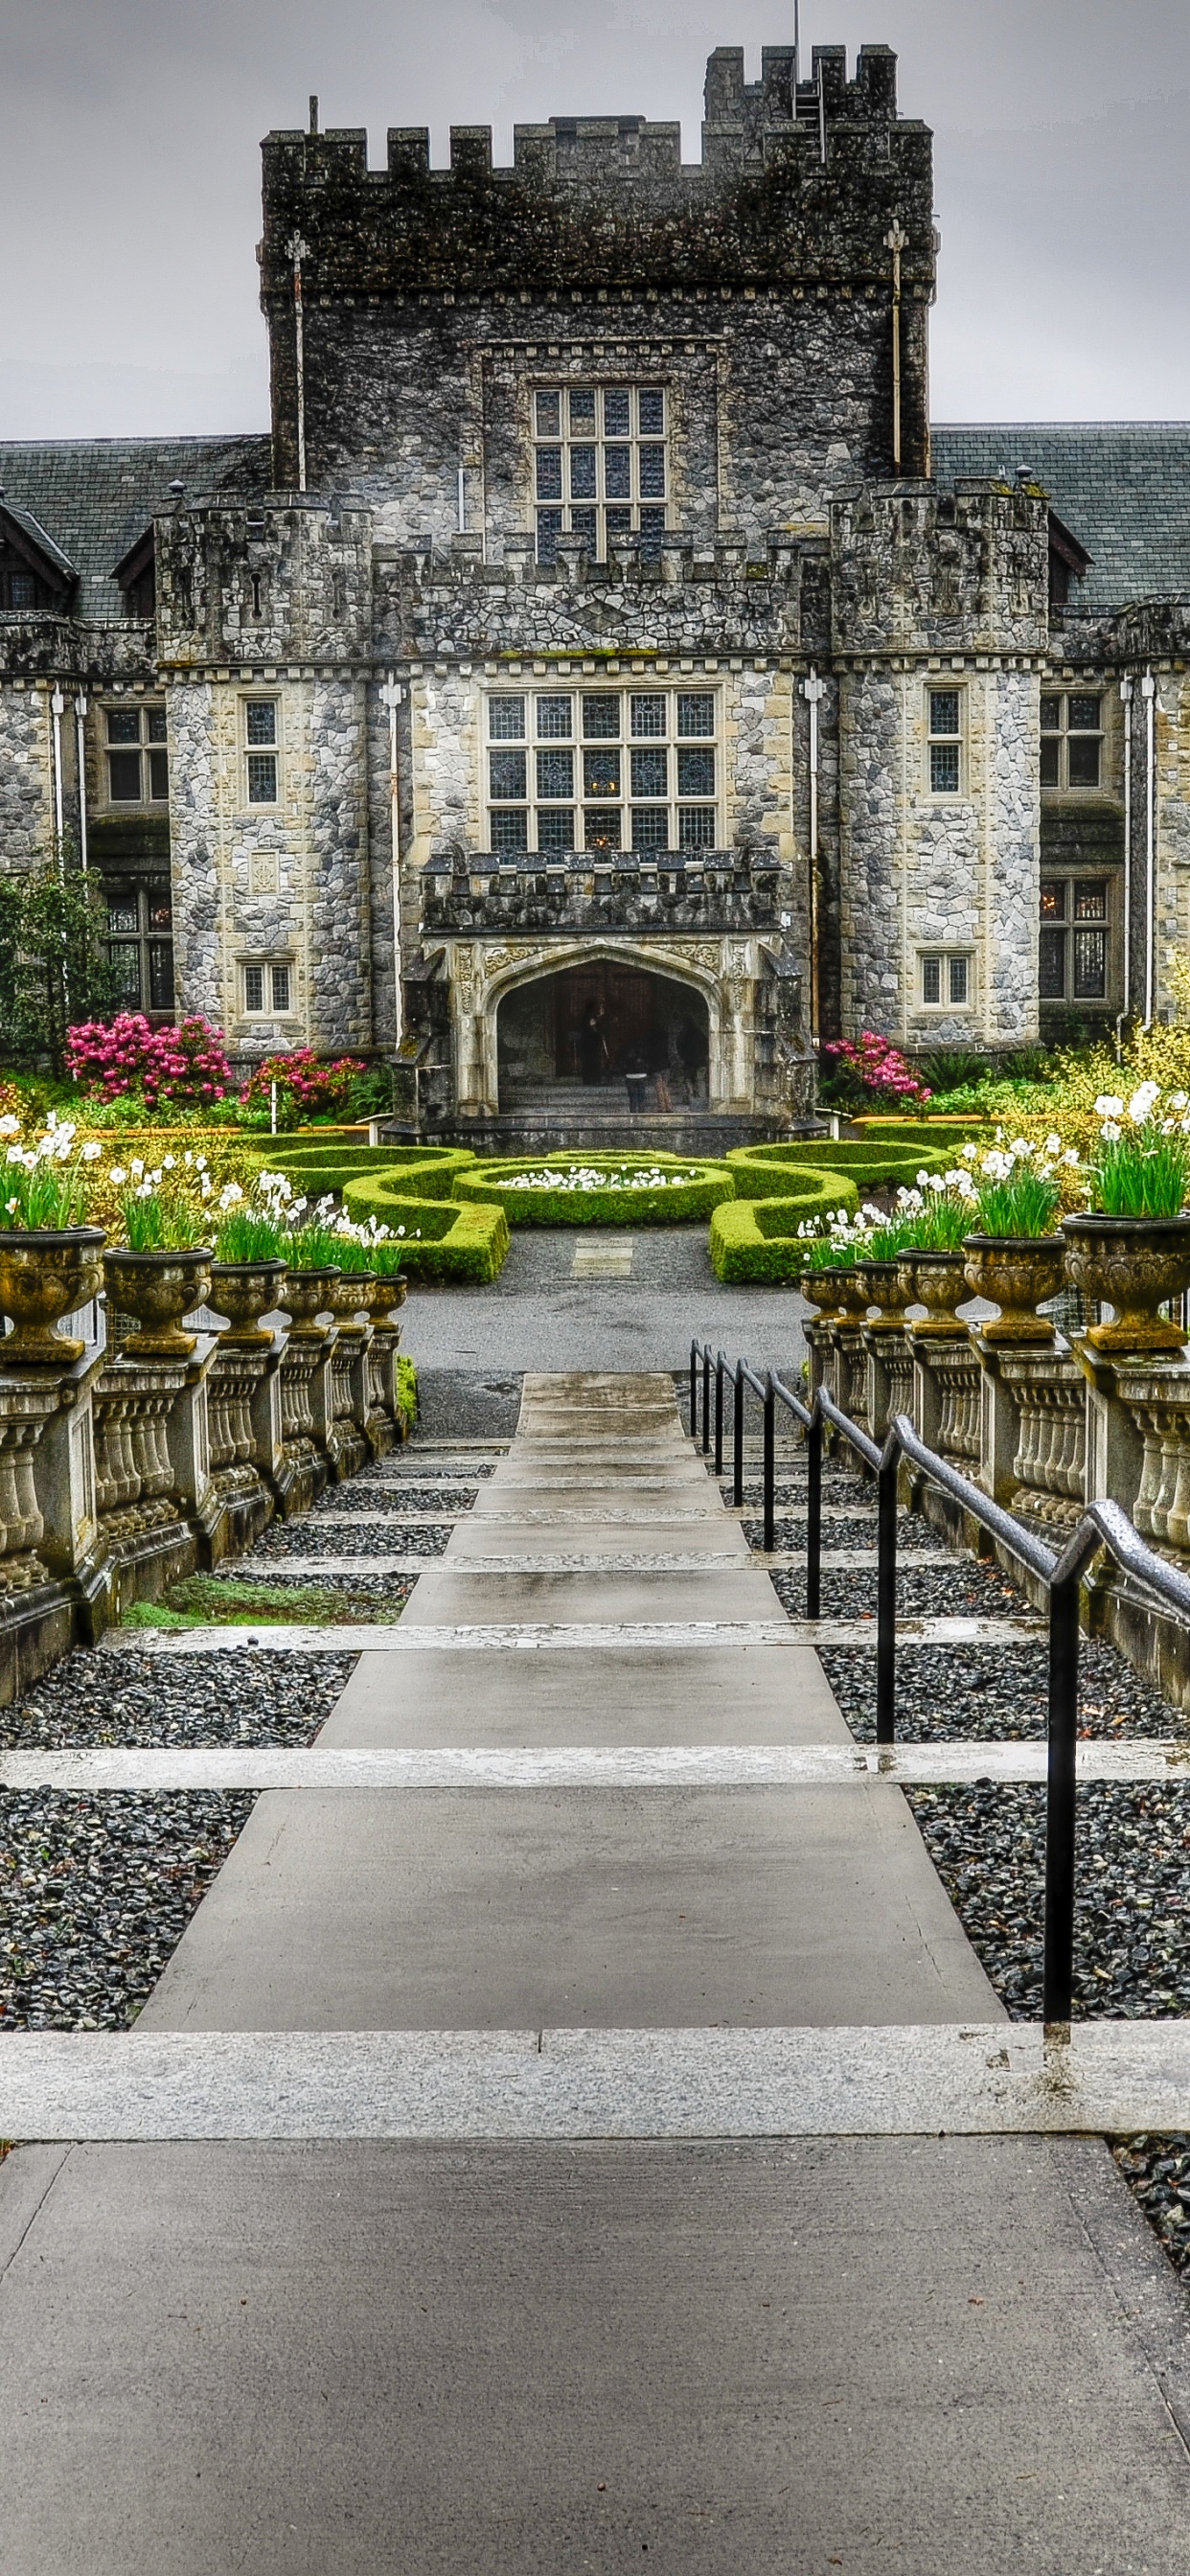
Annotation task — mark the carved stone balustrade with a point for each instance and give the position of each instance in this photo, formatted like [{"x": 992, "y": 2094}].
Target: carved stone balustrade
[
  {"x": 304, "y": 1467},
  {"x": 889, "y": 1349},
  {"x": 947, "y": 1394},
  {"x": 849, "y": 1367},
  {"x": 1033, "y": 1445},
  {"x": 244, "y": 1400}
]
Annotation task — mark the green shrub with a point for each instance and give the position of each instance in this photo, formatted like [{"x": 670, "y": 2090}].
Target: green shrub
[
  {"x": 426, "y": 1171},
  {"x": 945, "y": 1133},
  {"x": 757, "y": 1239},
  {"x": 490, "y": 1184},
  {"x": 439, "y": 1239},
  {"x": 762, "y": 1171},
  {"x": 406, "y": 1395}
]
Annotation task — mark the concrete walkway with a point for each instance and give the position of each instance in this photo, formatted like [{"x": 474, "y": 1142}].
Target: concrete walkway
[{"x": 475, "y": 2351}]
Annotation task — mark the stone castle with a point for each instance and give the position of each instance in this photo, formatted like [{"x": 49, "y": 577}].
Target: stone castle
[{"x": 603, "y": 669}]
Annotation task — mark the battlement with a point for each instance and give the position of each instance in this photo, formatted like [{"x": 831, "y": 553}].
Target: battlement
[{"x": 792, "y": 185}]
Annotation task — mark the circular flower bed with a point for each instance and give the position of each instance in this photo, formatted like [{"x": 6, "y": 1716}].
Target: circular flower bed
[{"x": 602, "y": 1189}]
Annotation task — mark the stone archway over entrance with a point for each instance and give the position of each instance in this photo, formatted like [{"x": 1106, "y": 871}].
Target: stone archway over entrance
[{"x": 600, "y": 1032}]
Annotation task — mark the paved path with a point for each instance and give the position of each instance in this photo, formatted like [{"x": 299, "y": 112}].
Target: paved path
[{"x": 595, "y": 2302}]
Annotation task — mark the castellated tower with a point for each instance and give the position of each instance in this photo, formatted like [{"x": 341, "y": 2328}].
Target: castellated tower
[{"x": 587, "y": 675}]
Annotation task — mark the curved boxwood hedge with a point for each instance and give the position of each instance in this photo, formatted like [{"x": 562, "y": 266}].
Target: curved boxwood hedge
[
  {"x": 489, "y": 1184},
  {"x": 424, "y": 1171},
  {"x": 762, "y": 1171},
  {"x": 756, "y": 1239},
  {"x": 946, "y": 1134},
  {"x": 441, "y": 1239}
]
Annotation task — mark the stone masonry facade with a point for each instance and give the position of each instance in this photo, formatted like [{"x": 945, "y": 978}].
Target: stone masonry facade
[{"x": 601, "y": 604}]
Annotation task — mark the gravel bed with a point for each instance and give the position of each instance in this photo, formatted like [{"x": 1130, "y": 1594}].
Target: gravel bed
[
  {"x": 945, "y": 1693},
  {"x": 95, "y": 1894},
  {"x": 791, "y": 1532},
  {"x": 1157, "y": 2172},
  {"x": 966, "y": 1589},
  {"x": 345, "y": 1498},
  {"x": 1131, "y": 1953},
  {"x": 91, "y": 1699},
  {"x": 306, "y": 1538},
  {"x": 277, "y": 1577}
]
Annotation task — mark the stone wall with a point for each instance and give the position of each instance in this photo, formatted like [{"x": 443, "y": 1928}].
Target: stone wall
[
  {"x": 26, "y": 781},
  {"x": 761, "y": 277}
]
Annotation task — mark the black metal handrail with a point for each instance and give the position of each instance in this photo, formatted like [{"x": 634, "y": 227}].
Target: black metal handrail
[{"x": 1104, "y": 1526}]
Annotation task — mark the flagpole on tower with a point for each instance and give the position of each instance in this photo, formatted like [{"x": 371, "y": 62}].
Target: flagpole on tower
[{"x": 797, "y": 49}]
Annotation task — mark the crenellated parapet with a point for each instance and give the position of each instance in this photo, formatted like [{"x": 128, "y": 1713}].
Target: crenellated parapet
[
  {"x": 270, "y": 581},
  {"x": 788, "y": 190},
  {"x": 622, "y": 895},
  {"x": 918, "y": 570},
  {"x": 430, "y": 603}
]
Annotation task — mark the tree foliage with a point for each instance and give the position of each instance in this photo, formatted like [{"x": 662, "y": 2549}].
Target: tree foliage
[{"x": 54, "y": 962}]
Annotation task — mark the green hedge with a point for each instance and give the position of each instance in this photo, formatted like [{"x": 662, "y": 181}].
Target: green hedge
[
  {"x": 441, "y": 1239},
  {"x": 945, "y": 1134},
  {"x": 755, "y": 1239},
  {"x": 489, "y": 1184},
  {"x": 763, "y": 1171},
  {"x": 425, "y": 1171}
]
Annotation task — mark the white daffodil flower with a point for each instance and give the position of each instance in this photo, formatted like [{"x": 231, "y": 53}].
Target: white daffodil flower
[{"x": 1109, "y": 1105}]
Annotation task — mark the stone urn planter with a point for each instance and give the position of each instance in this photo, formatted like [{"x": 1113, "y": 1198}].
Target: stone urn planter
[
  {"x": 308, "y": 1295},
  {"x": 349, "y": 1294},
  {"x": 244, "y": 1291},
  {"x": 884, "y": 1290},
  {"x": 937, "y": 1281},
  {"x": 1017, "y": 1273},
  {"x": 836, "y": 1294},
  {"x": 1136, "y": 1264},
  {"x": 155, "y": 1289},
  {"x": 43, "y": 1276},
  {"x": 381, "y": 1293}
]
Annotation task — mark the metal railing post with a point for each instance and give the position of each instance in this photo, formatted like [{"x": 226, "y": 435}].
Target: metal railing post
[
  {"x": 720, "y": 1365},
  {"x": 814, "y": 1517},
  {"x": 706, "y": 1398},
  {"x": 886, "y": 1601},
  {"x": 737, "y": 1439},
  {"x": 694, "y": 1390},
  {"x": 770, "y": 1462},
  {"x": 1058, "y": 1984}
]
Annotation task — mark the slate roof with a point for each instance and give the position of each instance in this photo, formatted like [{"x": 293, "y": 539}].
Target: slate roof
[
  {"x": 1121, "y": 487},
  {"x": 40, "y": 538},
  {"x": 94, "y": 496}
]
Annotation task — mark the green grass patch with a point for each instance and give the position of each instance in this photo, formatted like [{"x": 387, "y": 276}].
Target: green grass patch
[
  {"x": 753, "y": 1240},
  {"x": 439, "y": 1240},
  {"x": 208, "y": 1600},
  {"x": 684, "y": 1190},
  {"x": 768, "y": 1171}
]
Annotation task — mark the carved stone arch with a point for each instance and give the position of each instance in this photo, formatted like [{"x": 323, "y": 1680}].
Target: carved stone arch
[{"x": 701, "y": 969}]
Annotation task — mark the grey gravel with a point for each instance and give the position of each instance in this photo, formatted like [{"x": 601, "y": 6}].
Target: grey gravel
[
  {"x": 990, "y": 1692},
  {"x": 306, "y": 1538},
  {"x": 95, "y": 1894},
  {"x": 967, "y": 1589},
  {"x": 92, "y": 1699},
  {"x": 1132, "y": 1913},
  {"x": 1157, "y": 2172}
]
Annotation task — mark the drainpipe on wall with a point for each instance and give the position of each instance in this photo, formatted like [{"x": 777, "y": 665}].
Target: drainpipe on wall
[
  {"x": 298, "y": 251},
  {"x": 1126, "y": 689},
  {"x": 1148, "y": 691},
  {"x": 391, "y": 696},
  {"x": 57, "y": 711},
  {"x": 813, "y": 691},
  {"x": 462, "y": 508},
  {"x": 896, "y": 240},
  {"x": 80, "y": 744}
]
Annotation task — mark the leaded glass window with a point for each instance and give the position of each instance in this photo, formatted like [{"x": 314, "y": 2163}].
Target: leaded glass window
[
  {"x": 603, "y": 769},
  {"x": 600, "y": 465}
]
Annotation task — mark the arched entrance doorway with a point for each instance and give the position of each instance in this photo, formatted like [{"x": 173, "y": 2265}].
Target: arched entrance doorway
[{"x": 601, "y": 1027}]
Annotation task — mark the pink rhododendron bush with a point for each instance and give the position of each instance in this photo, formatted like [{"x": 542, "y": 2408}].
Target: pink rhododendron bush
[
  {"x": 186, "y": 1066},
  {"x": 314, "y": 1086},
  {"x": 873, "y": 1072}
]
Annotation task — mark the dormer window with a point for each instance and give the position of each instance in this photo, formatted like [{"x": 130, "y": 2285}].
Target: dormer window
[
  {"x": 35, "y": 576},
  {"x": 136, "y": 578}
]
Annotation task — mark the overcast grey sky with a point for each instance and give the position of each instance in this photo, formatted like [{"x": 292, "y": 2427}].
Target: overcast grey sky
[{"x": 129, "y": 179}]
